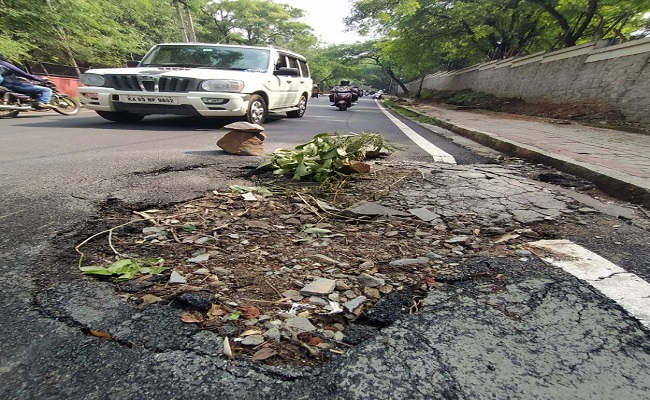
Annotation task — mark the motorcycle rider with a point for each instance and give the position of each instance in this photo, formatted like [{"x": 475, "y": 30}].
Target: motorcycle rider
[
  {"x": 11, "y": 79},
  {"x": 344, "y": 86}
]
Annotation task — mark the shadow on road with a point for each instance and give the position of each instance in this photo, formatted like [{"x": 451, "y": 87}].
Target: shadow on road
[{"x": 159, "y": 123}]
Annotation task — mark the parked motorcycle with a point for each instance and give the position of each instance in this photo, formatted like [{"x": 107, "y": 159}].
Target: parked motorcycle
[
  {"x": 13, "y": 103},
  {"x": 344, "y": 96}
]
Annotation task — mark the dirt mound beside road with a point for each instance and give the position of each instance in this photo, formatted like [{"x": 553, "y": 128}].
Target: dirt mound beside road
[{"x": 597, "y": 114}]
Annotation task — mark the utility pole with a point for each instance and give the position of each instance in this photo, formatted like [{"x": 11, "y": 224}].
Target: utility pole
[{"x": 184, "y": 20}]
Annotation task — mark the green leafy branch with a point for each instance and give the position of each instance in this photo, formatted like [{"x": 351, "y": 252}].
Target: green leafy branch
[
  {"x": 326, "y": 154},
  {"x": 127, "y": 268}
]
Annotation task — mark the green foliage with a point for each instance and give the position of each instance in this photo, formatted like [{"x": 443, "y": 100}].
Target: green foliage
[
  {"x": 84, "y": 32},
  {"x": 126, "y": 268},
  {"x": 353, "y": 62},
  {"x": 425, "y": 119},
  {"x": 423, "y": 36},
  {"x": 323, "y": 157},
  {"x": 458, "y": 97},
  {"x": 255, "y": 23}
]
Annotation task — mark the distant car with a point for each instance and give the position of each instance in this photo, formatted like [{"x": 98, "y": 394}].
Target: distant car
[
  {"x": 315, "y": 91},
  {"x": 377, "y": 95}
]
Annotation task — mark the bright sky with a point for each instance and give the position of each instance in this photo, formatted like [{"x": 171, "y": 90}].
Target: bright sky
[{"x": 326, "y": 19}]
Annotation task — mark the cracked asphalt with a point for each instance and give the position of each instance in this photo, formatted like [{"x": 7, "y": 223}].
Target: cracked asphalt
[
  {"x": 537, "y": 333},
  {"x": 540, "y": 333}
]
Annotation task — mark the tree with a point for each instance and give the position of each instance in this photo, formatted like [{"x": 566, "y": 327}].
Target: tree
[
  {"x": 84, "y": 32},
  {"x": 586, "y": 20},
  {"x": 457, "y": 33},
  {"x": 255, "y": 22}
]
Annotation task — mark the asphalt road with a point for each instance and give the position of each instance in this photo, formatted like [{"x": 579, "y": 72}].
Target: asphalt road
[{"x": 548, "y": 336}]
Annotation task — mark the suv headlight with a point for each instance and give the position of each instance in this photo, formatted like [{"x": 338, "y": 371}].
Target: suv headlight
[
  {"x": 92, "y": 79},
  {"x": 222, "y": 85}
]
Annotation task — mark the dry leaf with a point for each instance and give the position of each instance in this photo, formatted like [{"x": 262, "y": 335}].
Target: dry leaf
[
  {"x": 226, "y": 348},
  {"x": 250, "y": 312},
  {"x": 150, "y": 299},
  {"x": 250, "y": 332},
  {"x": 315, "y": 341},
  {"x": 264, "y": 353},
  {"x": 103, "y": 335},
  {"x": 216, "y": 311},
  {"x": 192, "y": 317}
]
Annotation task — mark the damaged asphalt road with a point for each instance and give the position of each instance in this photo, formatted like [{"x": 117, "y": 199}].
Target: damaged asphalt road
[{"x": 540, "y": 333}]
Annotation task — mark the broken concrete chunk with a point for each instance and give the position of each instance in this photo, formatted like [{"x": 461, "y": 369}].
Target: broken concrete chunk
[
  {"x": 410, "y": 261},
  {"x": 370, "y": 281},
  {"x": 354, "y": 303},
  {"x": 200, "y": 258},
  {"x": 324, "y": 259},
  {"x": 424, "y": 214},
  {"x": 373, "y": 209},
  {"x": 243, "y": 126},
  {"x": 253, "y": 340},
  {"x": 300, "y": 324},
  {"x": 242, "y": 143},
  {"x": 318, "y": 301},
  {"x": 458, "y": 239},
  {"x": 152, "y": 230},
  {"x": 318, "y": 287},
  {"x": 292, "y": 295},
  {"x": 175, "y": 277}
]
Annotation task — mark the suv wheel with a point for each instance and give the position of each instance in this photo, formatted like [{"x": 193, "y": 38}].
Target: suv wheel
[
  {"x": 302, "y": 106},
  {"x": 120, "y": 116},
  {"x": 257, "y": 111}
]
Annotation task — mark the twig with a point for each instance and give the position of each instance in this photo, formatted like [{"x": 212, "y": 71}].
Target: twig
[
  {"x": 102, "y": 232},
  {"x": 647, "y": 214},
  {"x": 147, "y": 217},
  {"x": 110, "y": 232},
  {"x": 311, "y": 208},
  {"x": 281, "y": 301},
  {"x": 110, "y": 243},
  {"x": 175, "y": 235},
  {"x": 273, "y": 287}
]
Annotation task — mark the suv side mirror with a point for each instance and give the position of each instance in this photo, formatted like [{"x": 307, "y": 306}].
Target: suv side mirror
[
  {"x": 132, "y": 63},
  {"x": 285, "y": 71}
]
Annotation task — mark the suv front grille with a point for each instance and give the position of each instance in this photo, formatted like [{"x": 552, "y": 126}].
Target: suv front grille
[{"x": 165, "y": 84}]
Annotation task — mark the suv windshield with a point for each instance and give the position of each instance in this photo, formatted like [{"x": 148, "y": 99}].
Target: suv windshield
[{"x": 208, "y": 57}]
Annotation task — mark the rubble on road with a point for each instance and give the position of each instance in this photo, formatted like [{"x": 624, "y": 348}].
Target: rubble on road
[{"x": 291, "y": 279}]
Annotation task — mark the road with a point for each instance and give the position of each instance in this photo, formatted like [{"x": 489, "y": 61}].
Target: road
[{"x": 545, "y": 335}]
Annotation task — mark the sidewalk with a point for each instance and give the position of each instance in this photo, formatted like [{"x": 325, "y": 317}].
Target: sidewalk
[{"x": 617, "y": 162}]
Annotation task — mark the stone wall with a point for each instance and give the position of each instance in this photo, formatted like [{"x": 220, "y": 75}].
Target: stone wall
[{"x": 617, "y": 75}]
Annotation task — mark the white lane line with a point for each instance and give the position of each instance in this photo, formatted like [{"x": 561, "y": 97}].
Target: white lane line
[
  {"x": 438, "y": 154},
  {"x": 627, "y": 289}
]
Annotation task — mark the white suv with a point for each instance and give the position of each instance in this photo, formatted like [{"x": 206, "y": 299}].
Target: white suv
[{"x": 210, "y": 80}]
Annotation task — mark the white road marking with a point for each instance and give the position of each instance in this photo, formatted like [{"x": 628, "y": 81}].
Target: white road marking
[
  {"x": 627, "y": 289},
  {"x": 438, "y": 154}
]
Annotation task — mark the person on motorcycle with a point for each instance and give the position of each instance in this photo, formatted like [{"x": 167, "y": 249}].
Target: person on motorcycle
[
  {"x": 343, "y": 87},
  {"x": 12, "y": 79}
]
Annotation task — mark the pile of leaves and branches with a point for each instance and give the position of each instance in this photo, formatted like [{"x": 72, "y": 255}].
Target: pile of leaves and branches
[
  {"x": 328, "y": 155},
  {"x": 238, "y": 262}
]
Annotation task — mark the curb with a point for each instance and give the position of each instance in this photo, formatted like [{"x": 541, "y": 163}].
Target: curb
[{"x": 614, "y": 183}]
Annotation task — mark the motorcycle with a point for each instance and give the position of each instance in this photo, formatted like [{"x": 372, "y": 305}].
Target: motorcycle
[
  {"x": 12, "y": 103},
  {"x": 344, "y": 97}
]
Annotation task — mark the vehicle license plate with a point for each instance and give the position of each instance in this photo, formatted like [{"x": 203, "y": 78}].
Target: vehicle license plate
[{"x": 128, "y": 98}]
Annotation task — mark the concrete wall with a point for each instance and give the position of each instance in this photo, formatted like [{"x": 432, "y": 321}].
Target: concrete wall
[{"x": 617, "y": 75}]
